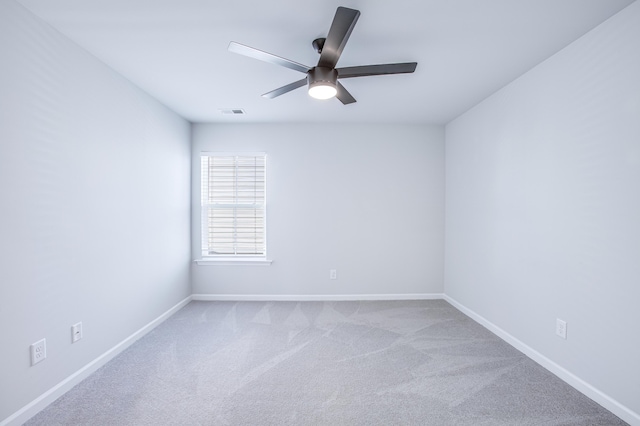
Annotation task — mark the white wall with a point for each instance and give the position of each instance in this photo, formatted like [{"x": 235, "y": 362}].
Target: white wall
[
  {"x": 543, "y": 208},
  {"x": 94, "y": 207},
  {"x": 367, "y": 200}
]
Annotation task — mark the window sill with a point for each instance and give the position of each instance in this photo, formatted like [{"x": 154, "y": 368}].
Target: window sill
[{"x": 233, "y": 262}]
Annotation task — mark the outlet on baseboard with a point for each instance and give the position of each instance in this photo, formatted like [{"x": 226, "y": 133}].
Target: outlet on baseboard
[
  {"x": 38, "y": 351},
  {"x": 561, "y": 328}
]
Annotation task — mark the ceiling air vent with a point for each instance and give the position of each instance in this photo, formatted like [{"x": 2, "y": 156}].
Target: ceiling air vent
[{"x": 236, "y": 111}]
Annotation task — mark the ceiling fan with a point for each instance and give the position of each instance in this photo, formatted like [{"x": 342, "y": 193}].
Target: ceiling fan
[{"x": 323, "y": 78}]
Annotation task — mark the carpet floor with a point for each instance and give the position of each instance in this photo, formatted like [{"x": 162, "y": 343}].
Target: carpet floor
[{"x": 322, "y": 363}]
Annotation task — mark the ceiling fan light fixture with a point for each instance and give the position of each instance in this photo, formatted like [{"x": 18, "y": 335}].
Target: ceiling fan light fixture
[
  {"x": 322, "y": 80},
  {"x": 322, "y": 90},
  {"x": 322, "y": 83}
]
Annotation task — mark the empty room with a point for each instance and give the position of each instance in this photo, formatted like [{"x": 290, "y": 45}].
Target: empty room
[{"x": 319, "y": 213}]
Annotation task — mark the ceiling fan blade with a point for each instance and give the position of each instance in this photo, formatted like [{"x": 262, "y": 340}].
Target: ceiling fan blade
[
  {"x": 343, "y": 23},
  {"x": 285, "y": 89},
  {"x": 266, "y": 57},
  {"x": 382, "y": 69},
  {"x": 344, "y": 96}
]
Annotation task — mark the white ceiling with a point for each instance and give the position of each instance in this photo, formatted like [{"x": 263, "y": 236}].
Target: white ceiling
[{"x": 176, "y": 50}]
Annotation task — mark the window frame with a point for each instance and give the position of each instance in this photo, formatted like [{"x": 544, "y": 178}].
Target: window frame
[{"x": 231, "y": 259}]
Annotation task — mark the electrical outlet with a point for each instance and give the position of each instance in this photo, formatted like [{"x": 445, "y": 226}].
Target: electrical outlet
[
  {"x": 38, "y": 351},
  {"x": 76, "y": 332},
  {"x": 561, "y": 328},
  {"x": 333, "y": 274}
]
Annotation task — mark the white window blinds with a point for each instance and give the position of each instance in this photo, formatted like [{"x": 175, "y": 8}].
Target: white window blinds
[{"x": 233, "y": 205}]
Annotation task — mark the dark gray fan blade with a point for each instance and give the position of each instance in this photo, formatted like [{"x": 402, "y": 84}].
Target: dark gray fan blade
[
  {"x": 339, "y": 33},
  {"x": 344, "y": 96},
  {"x": 382, "y": 69},
  {"x": 267, "y": 57},
  {"x": 284, "y": 89}
]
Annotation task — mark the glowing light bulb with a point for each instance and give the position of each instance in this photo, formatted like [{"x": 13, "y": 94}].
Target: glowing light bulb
[{"x": 322, "y": 90}]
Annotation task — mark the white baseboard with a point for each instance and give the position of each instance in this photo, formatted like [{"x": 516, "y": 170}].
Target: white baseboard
[
  {"x": 598, "y": 396},
  {"x": 38, "y": 404},
  {"x": 314, "y": 297}
]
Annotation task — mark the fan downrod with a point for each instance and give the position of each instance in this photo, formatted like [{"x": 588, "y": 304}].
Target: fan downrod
[{"x": 318, "y": 44}]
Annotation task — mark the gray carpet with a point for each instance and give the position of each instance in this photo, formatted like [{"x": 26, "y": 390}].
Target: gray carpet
[{"x": 322, "y": 363}]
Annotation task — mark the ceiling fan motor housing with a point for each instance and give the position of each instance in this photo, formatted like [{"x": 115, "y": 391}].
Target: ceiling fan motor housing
[
  {"x": 322, "y": 76},
  {"x": 322, "y": 82}
]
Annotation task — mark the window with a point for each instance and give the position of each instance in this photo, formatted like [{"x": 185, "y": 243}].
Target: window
[{"x": 233, "y": 200}]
